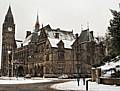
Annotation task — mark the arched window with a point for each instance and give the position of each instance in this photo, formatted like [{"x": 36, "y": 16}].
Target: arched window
[{"x": 47, "y": 57}]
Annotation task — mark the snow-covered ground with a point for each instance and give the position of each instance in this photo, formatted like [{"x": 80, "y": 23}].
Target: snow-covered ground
[
  {"x": 92, "y": 86},
  {"x": 14, "y": 80},
  {"x": 110, "y": 67},
  {"x": 115, "y": 62}
]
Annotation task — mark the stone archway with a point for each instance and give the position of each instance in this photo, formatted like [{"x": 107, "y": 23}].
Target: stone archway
[
  {"x": 40, "y": 70},
  {"x": 35, "y": 71},
  {"x": 20, "y": 71}
]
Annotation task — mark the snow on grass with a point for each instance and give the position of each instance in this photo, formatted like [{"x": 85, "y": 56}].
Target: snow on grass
[
  {"x": 114, "y": 62},
  {"x": 14, "y": 80},
  {"x": 71, "y": 85},
  {"x": 92, "y": 86}
]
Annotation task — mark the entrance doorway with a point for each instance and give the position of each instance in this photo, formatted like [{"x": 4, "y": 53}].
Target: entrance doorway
[
  {"x": 20, "y": 71},
  {"x": 40, "y": 71}
]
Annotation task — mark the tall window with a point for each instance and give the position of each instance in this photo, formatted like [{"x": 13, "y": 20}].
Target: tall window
[
  {"x": 47, "y": 57},
  {"x": 61, "y": 55}
]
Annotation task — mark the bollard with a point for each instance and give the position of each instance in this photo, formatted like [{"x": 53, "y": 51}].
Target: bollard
[
  {"x": 87, "y": 85},
  {"x": 83, "y": 81},
  {"x": 78, "y": 79}
]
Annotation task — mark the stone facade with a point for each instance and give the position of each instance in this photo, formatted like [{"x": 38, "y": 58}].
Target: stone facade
[
  {"x": 45, "y": 56},
  {"x": 88, "y": 51},
  {"x": 50, "y": 52}
]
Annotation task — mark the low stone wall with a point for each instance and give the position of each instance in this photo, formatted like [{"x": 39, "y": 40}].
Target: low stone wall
[{"x": 109, "y": 81}]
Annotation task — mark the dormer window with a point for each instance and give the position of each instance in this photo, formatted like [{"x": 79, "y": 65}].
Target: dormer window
[
  {"x": 57, "y": 35},
  {"x": 60, "y": 45}
]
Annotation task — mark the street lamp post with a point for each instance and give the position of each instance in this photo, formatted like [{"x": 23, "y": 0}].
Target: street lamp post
[
  {"x": 12, "y": 63},
  {"x": 9, "y": 62},
  {"x": 77, "y": 65},
  {"x": 78, "y": 74}
]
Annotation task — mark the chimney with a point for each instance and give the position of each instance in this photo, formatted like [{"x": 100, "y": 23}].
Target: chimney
[
  {"x": 21, "y": 44},
  {"x": 91, "y": 32},
  {"x": 76, "y": 35},
  {"x": 28, "y": 33}
]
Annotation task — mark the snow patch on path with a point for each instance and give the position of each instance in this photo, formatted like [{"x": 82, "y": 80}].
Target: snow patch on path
[
  {"x": 13, "y": 80},
  {"x": 71, "y": 85},
  {"x": 92, "y": 86}
]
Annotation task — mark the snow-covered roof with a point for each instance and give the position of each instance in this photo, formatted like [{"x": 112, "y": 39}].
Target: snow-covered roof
[
  {"x": 63, "y": 35},
  {"x": 96, "y": 40},
  {"x": 66, "y": 36},
  {"x": 18, "y": 44},
  {"x": 67, "y": 43},
  {"x": 27, "y": 40}
]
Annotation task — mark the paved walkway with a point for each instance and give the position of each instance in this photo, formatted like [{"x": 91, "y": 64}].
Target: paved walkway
[{"x": 31, "y": 87}]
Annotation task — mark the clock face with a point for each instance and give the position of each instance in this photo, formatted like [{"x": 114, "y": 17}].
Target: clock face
[{"x": 9, "y": 28}]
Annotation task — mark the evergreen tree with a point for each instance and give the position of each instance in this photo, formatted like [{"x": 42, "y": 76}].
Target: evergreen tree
[{"x": 114, "y": 31}]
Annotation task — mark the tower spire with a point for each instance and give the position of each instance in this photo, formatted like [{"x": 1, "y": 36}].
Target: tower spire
[
  {"x": 37, "y": 25},
  {"x": 88, "y": 25},
  {"x": 9, "y": 16},
  {"x": 81, "y": 27},
  {"x": 9, "y": 13}
]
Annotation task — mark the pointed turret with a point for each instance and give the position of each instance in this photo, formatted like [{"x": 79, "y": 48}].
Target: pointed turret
[
  {"x": 42, "y": 25},
  {"x": 37, "y": 25},
  {"x": 9, "y": 16}
]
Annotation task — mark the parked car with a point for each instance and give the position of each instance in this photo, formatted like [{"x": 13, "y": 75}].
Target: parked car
[
  {"x": 28, "y": 76},
  {"x": 63, "y": 76}
]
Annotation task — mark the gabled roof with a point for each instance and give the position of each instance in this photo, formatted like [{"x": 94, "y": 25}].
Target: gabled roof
[
  {"x": 86, "y": 35},
  {"x": 27, "y": 40},
  {"x": 67, "y": 43},
  {"x": 66, "y": 36},
  {"x": 63, "y": 35}
]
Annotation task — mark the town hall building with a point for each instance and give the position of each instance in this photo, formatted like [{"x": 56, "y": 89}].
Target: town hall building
[{"x": 48, "y": 52}]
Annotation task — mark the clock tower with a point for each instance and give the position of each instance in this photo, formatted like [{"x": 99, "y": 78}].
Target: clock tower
[{"x": 8, "y": 43}]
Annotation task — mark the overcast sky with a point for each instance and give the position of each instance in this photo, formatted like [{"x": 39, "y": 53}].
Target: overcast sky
[{"x": 64, "y": 14}]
